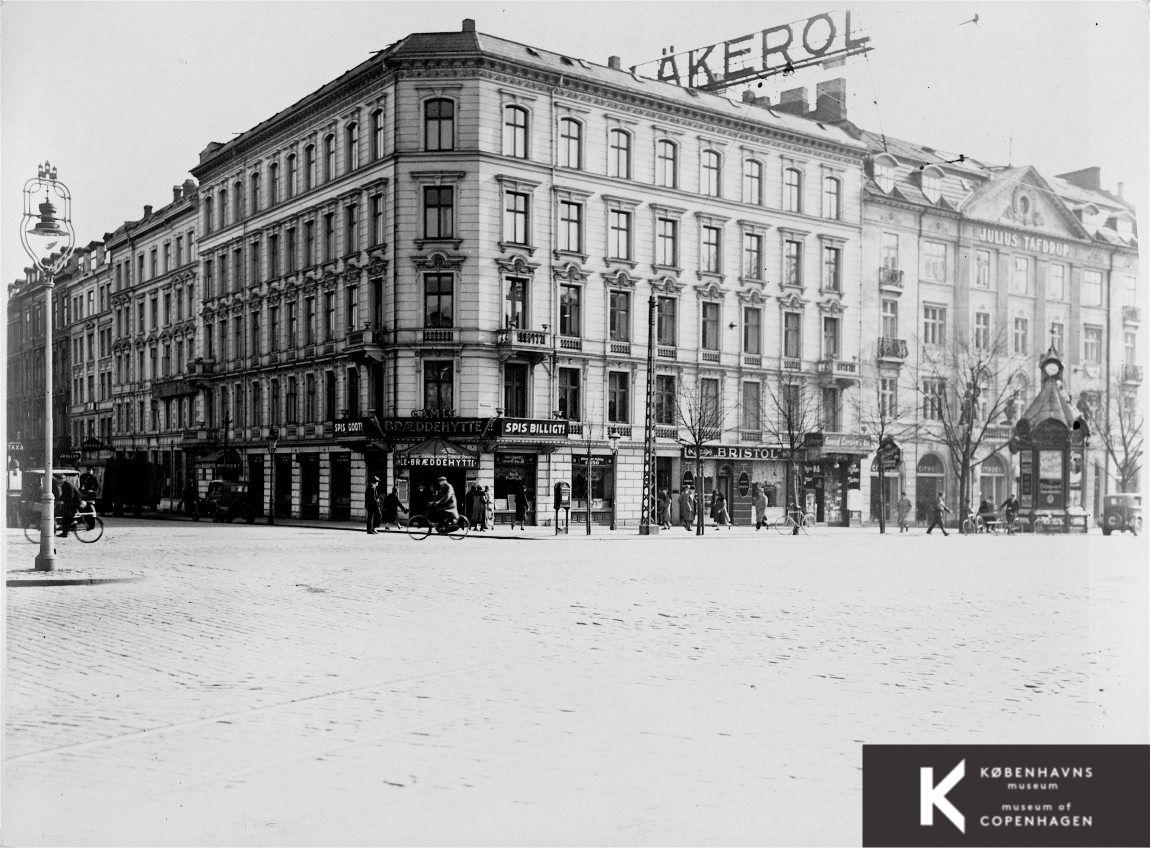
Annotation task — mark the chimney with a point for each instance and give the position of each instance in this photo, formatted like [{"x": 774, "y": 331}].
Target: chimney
[
  {"x": 147, "y": 210},
  {"x": 177, "y": 191},
  {"x": 469, "y": 25},
  {"x": 793, "y": 101},
  {"x": 189, "y": 188},
  {"x": 831, "y": 100},
  {"x": 1087, "y": 178},
  {"x": 615, "y": 63}
]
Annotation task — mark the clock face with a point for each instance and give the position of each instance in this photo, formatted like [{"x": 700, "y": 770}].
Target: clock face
[{"x": 1051, "y": 368}]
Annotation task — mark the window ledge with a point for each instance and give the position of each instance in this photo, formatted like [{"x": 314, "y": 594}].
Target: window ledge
[
  {"x": 666, "y": 269},
  {"x": 508, "y": 246},
  {"x": 571, "y": 254},
  {"x": 424, "y": 243}
]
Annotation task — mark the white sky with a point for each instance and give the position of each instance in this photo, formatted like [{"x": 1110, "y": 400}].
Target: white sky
[{"x": 123, "y": 96}]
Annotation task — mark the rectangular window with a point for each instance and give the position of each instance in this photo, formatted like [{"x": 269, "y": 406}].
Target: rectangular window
[
  {"x": 712, "y": 250},
  {"x": 890, "y": 318},
  {"x": 238, "y": 267},
  {"x": 666, "y": 321},
  {"x": 752, "y": 407},
  {"x": 710, "y": 338},
  {"x": 308, "y": 243},
  {"x": 932, "y": 398},
  {"x": 291, "y": 412},
  {"x": 438, "y": 212},
  {"x": 1092, "y": 288},
  {"x": 888, "y": 398},
  {"x": 209, "y": 341},
  {"x": 309, "y": 410},
  {"x": 167, "y": 256},
  {"x": 275, "y": 417},
  {"x": 934, "y": 325},
  {"x": 274, "y": 255},
  {"x": 792, "y": 335},
  {"x": 515, "y": 390},
  {"x": 376, "y": 220},
  {"x": 439, "y": 124},
  {"x": 1021, "y": 336},
  {"x": 830, "y": 410},
  {"x": 1130, "y": 291},
  {"x": 515, "y": 303},
  {"x": 515, "y": 217},
  {"x": 254, "y": 262},
  {"x": 709, "y": 407},
  {"x": 329, "y": 316},
  {"x": 982, "y": 330},
  {"x": 792, "y": 263},
  {"x": 752, "y": 330},
  {"x": 752, "y": 256},
  {"x": 569, "y": 393},
  {"x": 292, "y": 259},
  {"x": 1056, "y": 282},
  {"x": 830, "y": 337},
  {"x": 154, "y": 265},
  {"x": 890, "y": 250},
  {"x": 1130, "y": 339},
  {"x": 666, "y": 242},
  {"x": 1092, "y": 344},
  {"x": 293, "y": 325},
  {"x": 438, "y": 384},
  {"x": 254, "y": 325},
  {"x": 438, "y": 300},
  {"x": 618, "y": 397},
  {"x": 832, "y": 269},
  {"x": 309, "y": 326},
  {"x": 570, "y": 313},
  {"x": 1020, "y": 279},
  {"x": 241, "y": 339},
  {"x": 329, "y": 237},
  {"x": 619, "y": 316},
  {"x": 934, "y": 261},
  {"x": 351, "y": 229},
  {"x": 329, "y": 395},
  {"x": 351, "y": 307},
  {"x": 665, "y": 400},
  {"x": 273, "y": 328},
  {"x": 570, "y": 226},
  {"x": 619, "y": 234}
]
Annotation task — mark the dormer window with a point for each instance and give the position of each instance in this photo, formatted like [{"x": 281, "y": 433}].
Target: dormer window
[
  {"x": 1089, "y": 214},
  {"x": 932, "y": 183},
  {"x": 1125, "y": 226},
  {"x": 884, "y": 170}
]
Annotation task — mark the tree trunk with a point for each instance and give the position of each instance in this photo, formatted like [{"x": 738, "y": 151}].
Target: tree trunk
[
  {"x": 798, "y": 490},
  {"x": 702, "y": 496},
  {"x": 881, "y": 498}
]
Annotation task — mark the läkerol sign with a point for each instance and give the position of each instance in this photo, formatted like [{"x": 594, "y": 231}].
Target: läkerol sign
[
  {"x": 820, "y": 38},
  {"x": 1002, "y": 238}
]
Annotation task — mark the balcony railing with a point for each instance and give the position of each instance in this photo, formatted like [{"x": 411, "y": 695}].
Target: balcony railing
[
  {"x": 439, "y": 335},
  {"x": 621, "y": 430},
  {"x": 750, "y": 435},
  {"x": 621, "y": 348},
  {"x": 570, "y": 343},
  {"x": 667, "y": 352},
  {"x": 890, "y": 277},
  {"x": 1131, "y": 314},
  {"x": 1131, "y": 373},
  {"x": 791, "y": 363},
  {"x": 522, "y": 338},
  {"x": 575, "y": 428},
  {"x": 889, "y": 348},
  {"x": 754, "y": 360},
  {"x": 999, "y": 432},
  {"x": 666, "y": 431},
  {"x": 709, "y": 355}
]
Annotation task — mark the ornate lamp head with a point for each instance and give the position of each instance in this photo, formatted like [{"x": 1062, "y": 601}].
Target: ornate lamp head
[{"x": 46, "y": 233}]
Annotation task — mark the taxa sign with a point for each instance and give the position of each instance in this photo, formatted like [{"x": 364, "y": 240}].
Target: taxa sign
[{"x": 778, "y": 49}]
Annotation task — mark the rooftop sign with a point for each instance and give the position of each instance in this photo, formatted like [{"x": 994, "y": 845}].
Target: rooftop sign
[{"x": 757, "y": 55}]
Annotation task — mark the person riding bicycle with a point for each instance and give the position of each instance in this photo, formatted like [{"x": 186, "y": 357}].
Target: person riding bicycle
[
  {"x": 1010, "y": 508},
  {"x": 443, "y": 507},
  {"x": 69, "y": 505},
  {"x": 986, "y": 512}
]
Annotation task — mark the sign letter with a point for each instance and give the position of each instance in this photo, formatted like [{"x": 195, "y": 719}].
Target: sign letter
[{"x": 931, "y": 796}]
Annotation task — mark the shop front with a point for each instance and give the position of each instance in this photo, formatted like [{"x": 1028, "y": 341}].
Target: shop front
[
  {"x": 832, "y": 477},
  {"x": 520, "y": 444},
  {"x": 421, "y": 465},
  {"x": 601, "y": 485},
  {"x": 735, "y": 470}
]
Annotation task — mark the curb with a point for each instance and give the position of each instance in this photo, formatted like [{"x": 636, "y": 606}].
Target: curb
[{"x": 66, "y": 577}]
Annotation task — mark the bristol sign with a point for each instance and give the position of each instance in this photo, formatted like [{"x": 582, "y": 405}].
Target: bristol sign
[{"x": 821, "y": 38}]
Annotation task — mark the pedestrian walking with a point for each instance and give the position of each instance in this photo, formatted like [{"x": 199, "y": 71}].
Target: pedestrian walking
[
  {"x": 191, "y": 501},
  {"x": 687, "y": 507},
  {"x": 936, "y": 511},
  {"x": 488, "y": 509},
  {"x": 903, "y": 508},
  {"x": 759, "y": 502},
  {"x": 664, "y": 510},
  {"x": 477, "y": 510},
  {"x": 371, "y": 505},
  {"x": 392, "y": 507},
  {"x": 520, "y": 509},
  {"x": 1010, "y": 508},
  {"x": 719, "y": 511}
]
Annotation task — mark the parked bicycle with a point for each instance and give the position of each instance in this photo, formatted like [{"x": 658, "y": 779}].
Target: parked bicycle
[
  {"x": 419, "y": 527},
  {"x": 788, "y": 522},
  {"x": 86, "y": 524},
  {"x": 978, "y": 523}
]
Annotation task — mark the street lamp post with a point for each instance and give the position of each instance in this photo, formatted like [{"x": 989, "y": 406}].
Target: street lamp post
[
  {"x": 273, "y": 442},
  {"x": 614, "y": 439},
  {"x": 48, "y": 238},
  {"x": 587, "y": 482}
]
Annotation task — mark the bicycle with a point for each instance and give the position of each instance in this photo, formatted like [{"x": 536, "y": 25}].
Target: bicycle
[
  {"x": 788, "y": 523},
  {"x": 973, "y": 523},
  {"x": 419, "y": 527},
  {"x": 86, "y": 524}
]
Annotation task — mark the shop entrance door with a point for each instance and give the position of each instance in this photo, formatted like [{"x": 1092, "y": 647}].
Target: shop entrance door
[
  {"x": 283, "y": 485},
  {"x": 426, "y": 478},
  {"x": 309, "y": 485},
  {"x": 340, "y": 499},
  {"x": 256, "y": 493}
]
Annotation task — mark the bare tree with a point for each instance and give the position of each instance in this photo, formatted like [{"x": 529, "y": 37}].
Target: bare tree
[
  {"x": 965, "y": 387},
  {"x": 883, "y": 414},
  {"x": 1118, "y": 424},
  {"x": 700, "y": 411},
  {"x": 790, "y": 414}
]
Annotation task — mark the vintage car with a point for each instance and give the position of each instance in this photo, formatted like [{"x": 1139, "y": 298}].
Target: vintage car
[
  {"x": 24, "y": 492},
  {"x": 1122, "y": 512},
  {"x": 226, "y": 501}
]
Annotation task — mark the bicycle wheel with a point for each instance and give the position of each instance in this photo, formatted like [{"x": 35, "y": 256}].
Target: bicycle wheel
[
  {"x": 89, "y": 528},
  {"x": 461, "y": 529},
  {"x": 808, "y": 522},
  {"x": 419, "y": 528},
  {"x": 967, "y": 526},
  {"x": 32, "y": 530},
  {"x": 783, "y": 525}
]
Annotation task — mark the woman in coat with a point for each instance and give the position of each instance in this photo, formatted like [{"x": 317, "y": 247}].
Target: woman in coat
[
  {"x": 719, "y": 511},
  {"x": 687, "y": 508},
  {"x": 477, "y": 515},
  {"x": 759, "y": 502},
  {"x": 520, "y": 509}
]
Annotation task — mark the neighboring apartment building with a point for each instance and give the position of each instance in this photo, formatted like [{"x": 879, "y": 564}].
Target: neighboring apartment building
[
  {"x": 87, "y": 289},
  {"x": 954, "y": 248},
  {"x": 153, "y": 311},
  {"x": 457, "y": 240}
]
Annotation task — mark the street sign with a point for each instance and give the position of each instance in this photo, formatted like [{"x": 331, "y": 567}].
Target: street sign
[{"x": 889, "y": 455}]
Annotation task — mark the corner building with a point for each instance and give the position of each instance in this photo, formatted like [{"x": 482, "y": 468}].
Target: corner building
[{"x": 440, "y": 264}]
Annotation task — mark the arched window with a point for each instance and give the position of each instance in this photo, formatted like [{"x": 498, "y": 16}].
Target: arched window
[
  {"x": 515, "y": 131},
  {"x": 273, "y": 184},
  {"x": 570, "y": 143},
  {"x": 932, "y": 183},
  {"x": 237, "y": 201},
  {"x": 377, "y": 134},
  {"x": 992, "y": 485},
  {"x": 309, "y": 167},
  {"x": 329, "y": 158},
  {"x": 439, "y": 124},
  {"x": 223, "y": 208},
  {"x": 792, "y": 190},
  {"x": 667, "y": 163},
  {"x": 832, "y": 198},
  {"x": 884, "y": 170},
  {"x": 290, "y": 177},
  {"x": 619, "y": 154},
  {"x": 753, "y": 182},
  {"x": 712, "y": 173},
  {"x": 930, "y": 478},
  {"x": 209, "y": 222},
  {"x": 352, "y": 154},
  {"x": 255, "y": 185}
]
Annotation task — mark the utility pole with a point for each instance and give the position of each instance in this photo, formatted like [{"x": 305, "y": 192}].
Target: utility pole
[{"x": 649, "y": 499}]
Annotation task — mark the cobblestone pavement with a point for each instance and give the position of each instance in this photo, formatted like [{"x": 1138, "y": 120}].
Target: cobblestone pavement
[{"x": 313, "y": 686}]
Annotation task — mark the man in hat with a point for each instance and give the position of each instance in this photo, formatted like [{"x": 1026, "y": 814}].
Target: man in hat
[
  {"x": 444, "y": 505},
  {"x": 371, "y": 504}
]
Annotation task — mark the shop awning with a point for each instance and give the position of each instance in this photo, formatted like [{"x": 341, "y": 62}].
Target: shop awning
[{"x": 436, "y": 453}]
